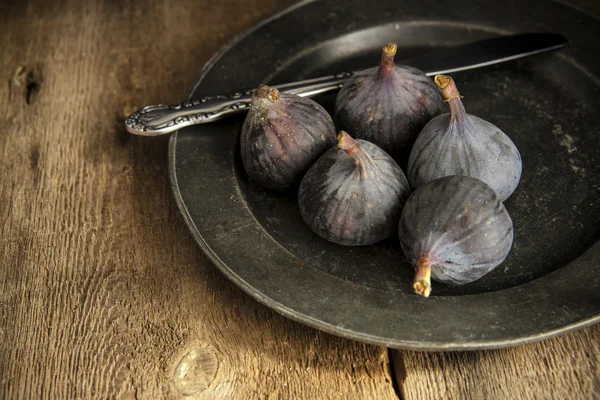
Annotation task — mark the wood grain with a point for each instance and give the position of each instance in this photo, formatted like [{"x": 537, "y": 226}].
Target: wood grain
[
  {"x": 565, "y": 367},
  {"x": 104, "y": 293}
]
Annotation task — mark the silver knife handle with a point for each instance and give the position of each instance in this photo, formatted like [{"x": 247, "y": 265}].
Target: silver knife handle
[{"x": 160, "y": 119}]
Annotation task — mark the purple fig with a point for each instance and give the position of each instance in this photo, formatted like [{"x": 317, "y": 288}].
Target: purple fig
[
  {"x": 462, "y": 144},
  {"x": 353, "y": 194},
  {"x": 454, "y": 230},
  {"x": 282, "y": 136},
  {"x": 388, "y": 105}
]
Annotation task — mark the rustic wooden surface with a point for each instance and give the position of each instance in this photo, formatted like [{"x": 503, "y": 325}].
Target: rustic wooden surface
[
  {"x": 103, "y": 292},
  {"x": 566, "y": 367}
]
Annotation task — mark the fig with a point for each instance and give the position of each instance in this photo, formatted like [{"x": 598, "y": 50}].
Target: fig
[
  {"x": 458, "y": 143},
  {"x": 353, "y": 194},
  {"x": 282, "y": 136},
  {"x": 388, "y": 105},
  {"x": 454, "y": 230}
]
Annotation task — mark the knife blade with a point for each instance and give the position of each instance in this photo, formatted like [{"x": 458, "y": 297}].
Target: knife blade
[{"x": 486, "y": 52}]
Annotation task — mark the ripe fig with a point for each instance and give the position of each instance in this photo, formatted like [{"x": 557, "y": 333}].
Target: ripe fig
[
  {"x": 353, "y": 194},
  {"x": 388, "y": 105},
  {"x": 454, "y": 230},
  {"x": 282, "y": 136},
  {"x": 462, "y": 144}
]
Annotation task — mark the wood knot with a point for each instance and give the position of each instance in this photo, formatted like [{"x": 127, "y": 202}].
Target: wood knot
[
  {"x": 196, "y": 370},
  {"x": 27, "y": 80}
]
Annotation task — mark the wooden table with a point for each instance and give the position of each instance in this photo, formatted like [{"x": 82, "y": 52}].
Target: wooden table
[{"x": 105, "y": 294}]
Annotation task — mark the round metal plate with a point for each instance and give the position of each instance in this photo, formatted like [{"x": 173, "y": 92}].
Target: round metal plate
[{"x": 548, "y": 105}]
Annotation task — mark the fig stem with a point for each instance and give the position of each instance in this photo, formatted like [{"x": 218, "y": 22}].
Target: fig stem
[
  {"x": 451, "y": 96},
  {"x": 346, "y": 143},
  {"x": 422, "y": 281},
  {"x": 447, "y": 87},
  {"x": 387, "y": 56},
  {"x": 267, "y": 92},
  {"x": 361, "y": 159}
]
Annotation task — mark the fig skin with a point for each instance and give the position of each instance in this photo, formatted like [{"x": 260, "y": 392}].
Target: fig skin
[
  {"x": 388, "y": 105},
  {"x": 353, "y": 195},
  {"x": 282, "y": 136},
  {"x": 454, "y": 230},
  {"x": 458, "y": 143}
]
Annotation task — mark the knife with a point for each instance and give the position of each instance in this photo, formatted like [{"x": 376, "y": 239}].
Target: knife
[{"x": 161, "y": 119}]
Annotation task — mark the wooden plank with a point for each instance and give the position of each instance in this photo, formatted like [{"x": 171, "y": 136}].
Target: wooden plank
[
  {"x": 565, "y": 367},
  {"x": 104, "y": 293}
]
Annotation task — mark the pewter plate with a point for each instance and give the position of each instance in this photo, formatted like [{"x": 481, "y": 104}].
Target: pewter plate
[{"x": 547, "y": 104}]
